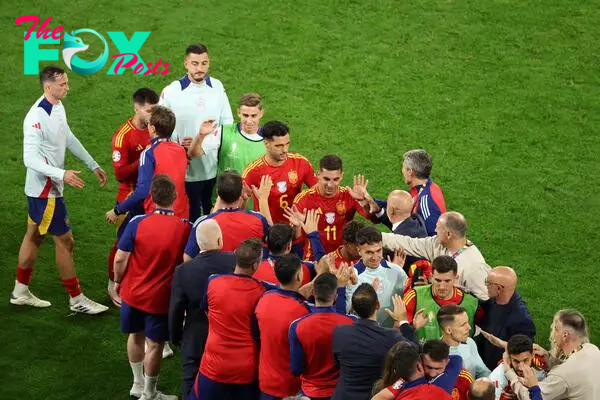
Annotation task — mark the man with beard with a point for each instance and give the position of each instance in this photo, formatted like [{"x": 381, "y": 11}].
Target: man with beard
[
  {"x": 576, "y": 377},
  {"x": 194, "y": 99},
  {"x": 520, "y": 354}
]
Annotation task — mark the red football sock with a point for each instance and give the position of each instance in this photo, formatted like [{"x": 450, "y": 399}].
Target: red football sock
[
  {"x": 24, "y": 275},
  {"x": 72, "y": 286},
  {"x": 111, "y": 262}
]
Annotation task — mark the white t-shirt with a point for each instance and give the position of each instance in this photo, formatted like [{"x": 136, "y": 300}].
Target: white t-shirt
[
  {"x": 391, "y": 281},
  {"x": 194, "y": 103},
  {"x": 46, "y": 136}
]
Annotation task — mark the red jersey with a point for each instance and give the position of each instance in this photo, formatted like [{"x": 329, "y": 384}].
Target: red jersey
[
  {"x": 339, "y": 258},
  {"x": 274, "y": 313},
  {"x": 231, "y": 354},
  {"x": 266, "y": 272},
  {"x": 426, "y": 391},
  {"x": 334, "y": 213},
  {"x": 128, "y": 142},
  {"x": 287, "y": 182},
  {"x": 147, "y": 281},
  {"x": 461, "y": 387}
]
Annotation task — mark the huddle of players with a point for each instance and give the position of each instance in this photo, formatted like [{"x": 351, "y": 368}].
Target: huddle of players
[
  {"x": 154, "y": 173},
  {"x": 273, "y": 182}
]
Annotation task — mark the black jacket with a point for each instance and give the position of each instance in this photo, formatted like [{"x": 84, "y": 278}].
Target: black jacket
[
  {"x": 188, "y": 289},
  {"x": 360, "y": 350},
  {"x": 503, "y": 321}
]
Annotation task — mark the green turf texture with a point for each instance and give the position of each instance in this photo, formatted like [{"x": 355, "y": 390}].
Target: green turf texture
[{"x": 504, "y": 94}]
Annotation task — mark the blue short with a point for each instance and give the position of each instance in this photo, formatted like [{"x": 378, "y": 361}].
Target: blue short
[
  {"x": 205, "y": 388},
  {"x": 154, "y": 326},
  {"x": 50, "y": 215}
]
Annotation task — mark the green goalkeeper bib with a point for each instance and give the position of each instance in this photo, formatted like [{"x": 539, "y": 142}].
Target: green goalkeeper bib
[
  {"x": 236, "y": 150},
  {"x": 424, "y": 299}
]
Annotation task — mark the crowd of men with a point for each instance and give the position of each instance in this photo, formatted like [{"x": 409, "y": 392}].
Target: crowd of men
[{"x": 276, "y": 291}]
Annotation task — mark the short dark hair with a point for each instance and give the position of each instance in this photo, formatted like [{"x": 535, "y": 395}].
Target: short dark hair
[
  {"x": 163, "y": 190},
  {"x": 286, "y": 268},
  {"x": 50, "y": 73},
  {"x": 443, "y": 264},
  {"x": 350, "y": 230},
  {"x": 518, "y": 344},
  {"x": 405, "y": 362},
  {"x": 163, "y": 120},
  {"x": 274, "y": 128},
  {"x": 248, "y": 253},
  {"x": 368, "y": 235},
  {"x": 331, "y": 163},
  {"x": 364, "y": 300},
  {"x": 436, "y": 350},
  {"x": 447, "y": 313},
  {"x": 229, "y": 186},
  {"x": 280, "y": 235},
  {"x": 145, "y": 96},
  {"x": 197, "y": 48},
  {"x": 324, "y": 287}
]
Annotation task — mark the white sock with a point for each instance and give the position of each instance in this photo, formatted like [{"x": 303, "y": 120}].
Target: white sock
[
  {"x": 20, "y": 288},
  {"x": 138, "y": 372},
  {"x": 150, "y": 385}
]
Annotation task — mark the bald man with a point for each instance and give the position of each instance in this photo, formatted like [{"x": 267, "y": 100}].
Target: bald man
[
  {"x": 188, "y": 288},
  {"x": 396, "y": 213},
  {"x": 504, "y": 314},
  {"x": 450, "y": 240},
  {"x": 482, "y": 389}
]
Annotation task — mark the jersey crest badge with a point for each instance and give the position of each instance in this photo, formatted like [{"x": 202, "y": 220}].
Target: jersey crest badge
[
  {"x": 293, "y": 176},
  {"x": 455, "y": 394},
  {"x": 282, "y": 186},
  {"x": 340, "y": 207},
  {"x": 116, "y": 156},
  {"x": 330, "y": 218}
]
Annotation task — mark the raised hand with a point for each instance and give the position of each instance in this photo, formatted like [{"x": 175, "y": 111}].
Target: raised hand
[
  {"x": 343, "y": 274},
  {"x": 263, "y": 191},
  {"x": 293, "y": 215},
  {"x": 359, "y": 189},
  {"x": 399, "y": 311},
  {"x": 70, "y": 178},
  {"x": 206, "y": 127},
  {"x": 399, "y": 257},
  {"x": 420, "y": 319},
  {"x": 325, "y": 264},
  {"x": 312, "y": 222}
]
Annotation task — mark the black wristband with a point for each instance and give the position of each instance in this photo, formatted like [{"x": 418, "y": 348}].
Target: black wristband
[{"x": 116, "y": 211}]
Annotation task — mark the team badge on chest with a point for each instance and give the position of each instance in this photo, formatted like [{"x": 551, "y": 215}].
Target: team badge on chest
[
  {"x": 293, "y": 177},
  {"x": 282, "y": 186},
  {"x": 340, "y": 207},
  {"x": 330, "y": 218}
]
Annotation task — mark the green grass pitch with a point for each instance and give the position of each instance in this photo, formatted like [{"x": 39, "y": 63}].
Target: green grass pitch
[{"x": 503, "y": 93}]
